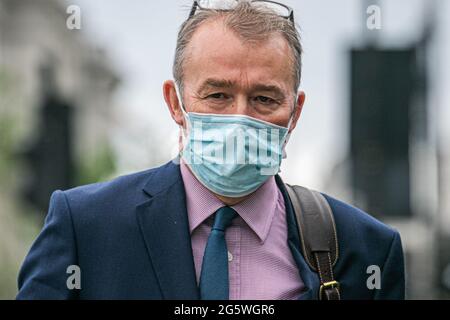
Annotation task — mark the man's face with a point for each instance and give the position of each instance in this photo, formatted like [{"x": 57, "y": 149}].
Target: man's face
[{"x": 224, "y": 75}]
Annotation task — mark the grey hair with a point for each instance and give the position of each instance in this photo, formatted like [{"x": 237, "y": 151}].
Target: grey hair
[{"x": 251, "y": 23}]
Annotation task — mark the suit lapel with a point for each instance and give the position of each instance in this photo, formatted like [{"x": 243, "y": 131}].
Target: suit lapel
[
  {"x": 164, "y": 225},
  {"x": 308, "y": 276}
]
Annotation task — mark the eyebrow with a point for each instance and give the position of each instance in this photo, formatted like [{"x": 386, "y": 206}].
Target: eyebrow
[
  {"x": 269, "y": 88},
  {"x": 215, "y": 83},
  {"x": 222, "y": 83}
]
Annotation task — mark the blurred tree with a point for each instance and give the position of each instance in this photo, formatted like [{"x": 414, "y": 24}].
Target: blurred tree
[{"x": 97, "y": 168}]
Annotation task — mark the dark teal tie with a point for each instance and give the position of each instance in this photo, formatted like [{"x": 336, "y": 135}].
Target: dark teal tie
[{"x": 214, "y": 274}]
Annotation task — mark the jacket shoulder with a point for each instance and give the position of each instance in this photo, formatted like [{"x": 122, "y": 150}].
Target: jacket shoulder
[
  {"x": 112, "y": 198},
  {"x": 358, "y": 222},
  {"x": 119, "y": 183},
  {"x": 364, "y": 243}
]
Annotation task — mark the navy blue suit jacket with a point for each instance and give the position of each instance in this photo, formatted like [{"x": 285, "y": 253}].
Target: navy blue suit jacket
[{"x": 130, "y": 238}]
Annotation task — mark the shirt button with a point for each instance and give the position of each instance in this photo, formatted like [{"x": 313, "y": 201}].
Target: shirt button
[{"x": 230, "y": 256}]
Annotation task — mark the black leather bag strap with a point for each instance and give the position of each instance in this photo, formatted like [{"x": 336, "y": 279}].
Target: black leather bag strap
[{"x": 317, "y": 236}]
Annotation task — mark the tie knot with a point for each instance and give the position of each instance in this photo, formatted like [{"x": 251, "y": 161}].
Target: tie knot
[{"x": 223, "y": 218}]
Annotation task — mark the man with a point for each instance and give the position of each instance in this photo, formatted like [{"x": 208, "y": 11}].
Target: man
[{"x": 198, "y": 227}]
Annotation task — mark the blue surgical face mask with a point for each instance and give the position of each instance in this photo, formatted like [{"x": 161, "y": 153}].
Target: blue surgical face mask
[{"x": 232, "y": 155}]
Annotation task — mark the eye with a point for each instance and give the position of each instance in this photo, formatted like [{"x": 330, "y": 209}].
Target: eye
[
  {"x": 265, "y": 100},
  {"x": 217, "y": 96}
]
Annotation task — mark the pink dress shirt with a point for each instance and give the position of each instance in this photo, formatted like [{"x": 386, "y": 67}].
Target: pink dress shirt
[{"x": 260, "y": 262}]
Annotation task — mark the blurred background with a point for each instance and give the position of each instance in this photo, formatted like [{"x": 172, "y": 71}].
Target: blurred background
[{"x": 83, "y": 103}]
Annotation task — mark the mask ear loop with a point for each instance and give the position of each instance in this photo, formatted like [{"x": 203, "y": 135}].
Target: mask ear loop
[
  {"x": 178, "y": 93},
  {"x": 184, "y": 131},
  {"x": 183, "y": 110},
  {"x": 288, "y": 135}
]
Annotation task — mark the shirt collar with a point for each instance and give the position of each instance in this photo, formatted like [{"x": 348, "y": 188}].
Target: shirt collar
[{"x": 257, "y": 210}]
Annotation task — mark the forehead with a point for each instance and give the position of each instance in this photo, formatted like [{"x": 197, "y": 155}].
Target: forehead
[{"x": 217, "y": 51}]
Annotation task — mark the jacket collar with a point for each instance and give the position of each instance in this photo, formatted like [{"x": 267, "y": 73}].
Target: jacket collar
[
  {"x": 164, "y": 226},
  {"x": 163, "y": 178}
]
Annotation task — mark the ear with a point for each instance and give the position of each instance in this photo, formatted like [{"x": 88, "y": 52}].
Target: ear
[
  {"x": 298, "y": 109},
  {"x": 171, "y": 98}
]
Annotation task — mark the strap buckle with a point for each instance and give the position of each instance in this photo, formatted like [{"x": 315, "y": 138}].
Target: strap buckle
[{"x": 328, "y": 285}]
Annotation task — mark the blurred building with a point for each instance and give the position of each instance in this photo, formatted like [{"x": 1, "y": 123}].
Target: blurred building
[
  {"x": 56, "y": 110},
  {"x": 34, "y": 37},
  {"x": 395, "y": 168}
]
